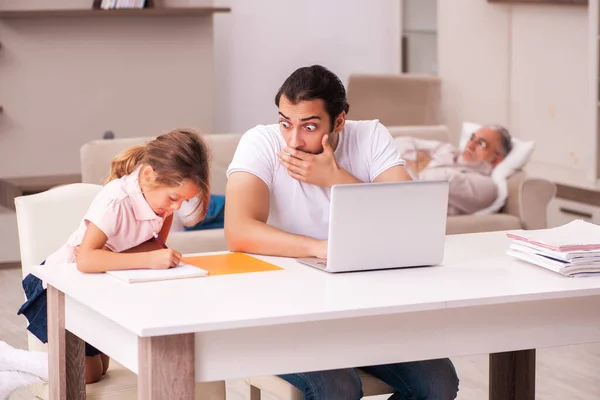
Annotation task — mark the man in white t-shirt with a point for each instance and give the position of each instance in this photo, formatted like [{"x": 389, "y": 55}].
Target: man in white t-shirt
[{"x": 278, "y": 196}]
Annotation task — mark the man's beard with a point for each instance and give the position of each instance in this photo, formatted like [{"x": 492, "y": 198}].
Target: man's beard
[
  {"x": 316, "y": 153},
  {"x": 311, "y": 152}
]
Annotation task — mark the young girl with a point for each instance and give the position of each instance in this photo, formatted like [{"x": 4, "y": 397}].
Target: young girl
[{"x": 147, "y": 184}]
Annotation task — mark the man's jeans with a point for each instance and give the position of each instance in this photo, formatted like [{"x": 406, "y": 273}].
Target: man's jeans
[{"x": 421, "y": 380}]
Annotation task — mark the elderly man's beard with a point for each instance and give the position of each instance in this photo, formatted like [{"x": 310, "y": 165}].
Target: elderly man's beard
[{"x": 464, "y": 160}]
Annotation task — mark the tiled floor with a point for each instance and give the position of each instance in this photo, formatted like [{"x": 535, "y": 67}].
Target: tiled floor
[{"x": 569, "y": 373}]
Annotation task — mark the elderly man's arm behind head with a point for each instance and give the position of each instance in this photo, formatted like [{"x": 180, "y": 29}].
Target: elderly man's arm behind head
[{"x": 469, "y": 192}]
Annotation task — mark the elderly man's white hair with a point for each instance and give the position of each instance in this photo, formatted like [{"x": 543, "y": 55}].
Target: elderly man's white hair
[{"x": 505, "y": 138}]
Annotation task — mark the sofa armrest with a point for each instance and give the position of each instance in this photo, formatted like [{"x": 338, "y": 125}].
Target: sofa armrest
[{"x": 528, "y": 199}]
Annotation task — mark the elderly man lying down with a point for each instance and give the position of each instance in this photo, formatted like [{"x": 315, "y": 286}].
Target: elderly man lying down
[{"x": 469, "y": 172}]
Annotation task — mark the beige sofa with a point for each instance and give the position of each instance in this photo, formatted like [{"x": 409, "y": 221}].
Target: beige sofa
[
  {"x": 527, "y": 201},
  {"x": 526, "y": 206},
  {"x": 410, "y": 105},
  {"x": 396, "y": 100}
]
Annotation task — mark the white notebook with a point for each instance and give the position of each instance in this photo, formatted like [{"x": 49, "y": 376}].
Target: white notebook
[
  {"x": 576, "y": 235},
  {"x": 568, "y": 259},
  {"x": 182, "y": 271},
  {"x": 555, "y": 265}
]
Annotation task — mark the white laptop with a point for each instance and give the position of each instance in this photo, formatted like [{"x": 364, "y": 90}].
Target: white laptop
[{"x": 385, "y": 225}]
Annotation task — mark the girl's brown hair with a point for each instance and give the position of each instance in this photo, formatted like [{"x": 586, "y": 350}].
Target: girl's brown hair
[{"x": 175, "y": 156}]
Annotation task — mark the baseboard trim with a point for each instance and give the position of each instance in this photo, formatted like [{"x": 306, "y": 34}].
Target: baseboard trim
[{"x": 10, "y": 265}]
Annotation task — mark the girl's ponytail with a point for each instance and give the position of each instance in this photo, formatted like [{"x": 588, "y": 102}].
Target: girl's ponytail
[{"x": 126, "y": 162}]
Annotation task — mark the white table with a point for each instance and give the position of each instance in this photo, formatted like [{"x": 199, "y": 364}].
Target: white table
[{"x": 301, "y": 319}]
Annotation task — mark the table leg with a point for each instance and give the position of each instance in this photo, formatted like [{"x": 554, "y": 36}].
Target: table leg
[
  {"x": 166, "y": 367},
  {"x": 512, "y": 375},
  {"x": 8, "y": 192},
  {"x": 66, "y": 353}
]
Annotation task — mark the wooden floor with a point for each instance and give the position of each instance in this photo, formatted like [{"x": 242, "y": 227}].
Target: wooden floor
[{"x": 563, "y": 373}]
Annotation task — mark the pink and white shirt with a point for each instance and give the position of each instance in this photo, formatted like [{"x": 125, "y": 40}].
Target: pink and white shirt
[{"x": 121, "y": 211}]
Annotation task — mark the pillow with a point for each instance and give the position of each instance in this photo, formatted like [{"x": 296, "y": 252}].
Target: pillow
[
  {"x": 215, "y": 215},
  {"x": 514, "y": 161}
]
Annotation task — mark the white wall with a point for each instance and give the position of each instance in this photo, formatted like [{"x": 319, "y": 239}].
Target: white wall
[
  {"x": 64, "y": 81},
  {"x": 262, "y": 42},
  {"x": 43, "y": 4},
  {"x": 419, "y": 15},
  {"x": 549, "y": 85},
  {"x": 474, "y": 55},
  {"x": 419, "y": 24},
  {"x": 525, "y": 66}
]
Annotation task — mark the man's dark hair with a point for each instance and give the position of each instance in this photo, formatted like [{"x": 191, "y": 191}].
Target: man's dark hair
[{"x": 312, "y": 83}]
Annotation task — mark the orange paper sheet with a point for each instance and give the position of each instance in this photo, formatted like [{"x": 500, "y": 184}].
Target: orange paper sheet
[{"x": 231, "y": 263}]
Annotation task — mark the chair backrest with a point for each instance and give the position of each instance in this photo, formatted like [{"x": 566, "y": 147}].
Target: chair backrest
[
  {"x": 433, "y": 132},
  {"x": 96, "y": 156},
  {"x": 46, "y": 220},
  {"x": 402, "y": 99}
]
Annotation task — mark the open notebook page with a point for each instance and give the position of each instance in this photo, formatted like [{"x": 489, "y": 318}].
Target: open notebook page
[{"x": 182, "y": 271}]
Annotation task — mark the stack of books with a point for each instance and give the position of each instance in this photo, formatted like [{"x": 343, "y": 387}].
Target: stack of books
[
  {"x": 571, "y": 250},
  {"x": 117, "y": 4}
]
